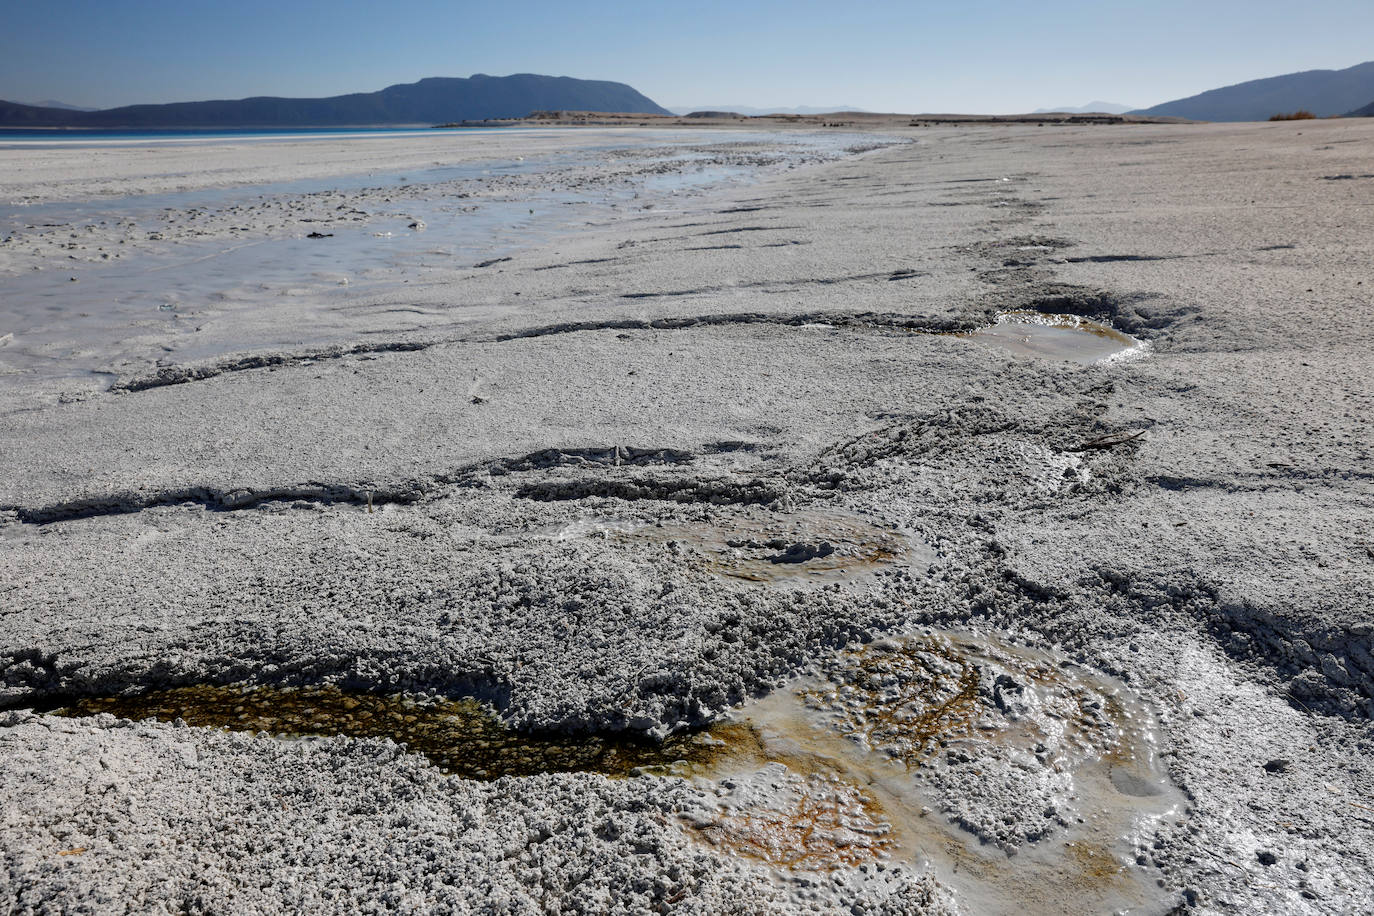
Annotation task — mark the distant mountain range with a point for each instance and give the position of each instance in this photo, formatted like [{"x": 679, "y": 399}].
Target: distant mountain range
[
  {"x": 430, "y": 101},
  {"x": 755, "y": 112},
  {"x": 447, "y": 99},
  {"x": 1322, "y": 92},
  {"x": 1091, "y": 107},
  {"x": 53, "y": 103}
]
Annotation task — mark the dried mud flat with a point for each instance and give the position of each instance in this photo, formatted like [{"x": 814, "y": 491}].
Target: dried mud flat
[{"x": 766, "y": 553}]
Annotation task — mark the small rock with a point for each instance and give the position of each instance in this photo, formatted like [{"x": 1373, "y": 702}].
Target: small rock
[{"x": 800, "y": 553}]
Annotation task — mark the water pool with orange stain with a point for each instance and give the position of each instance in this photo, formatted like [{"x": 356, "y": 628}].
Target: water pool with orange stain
[
  {"x": 926, "y": 731},
  {"x": 899, "y": 751}
]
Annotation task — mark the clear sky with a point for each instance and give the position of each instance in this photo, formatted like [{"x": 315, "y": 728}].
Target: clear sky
[{"x": 884, "y": 55}]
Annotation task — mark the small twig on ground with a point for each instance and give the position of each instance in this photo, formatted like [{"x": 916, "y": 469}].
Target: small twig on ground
[
  {"x": 1289, "y": 695},
  {"x": 1110, "y": 440},
  {"x": 1239, "y": 868}
]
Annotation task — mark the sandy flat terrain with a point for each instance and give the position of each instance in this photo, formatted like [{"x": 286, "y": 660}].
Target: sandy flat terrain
[
  {"x": 114, "y": 168},
  {"x": 1029, "y": 634}
]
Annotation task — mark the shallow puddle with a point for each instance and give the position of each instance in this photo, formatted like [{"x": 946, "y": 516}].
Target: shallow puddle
[
  {"x": 763, "y": 546},
  {"x": 1065, "y": 337},
  {"x": 1019, "y": 779}
]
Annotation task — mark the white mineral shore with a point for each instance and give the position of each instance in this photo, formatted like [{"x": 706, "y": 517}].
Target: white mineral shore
[
  {"x": 432, "y": 505},
  {"x": 37, "y": 173}
]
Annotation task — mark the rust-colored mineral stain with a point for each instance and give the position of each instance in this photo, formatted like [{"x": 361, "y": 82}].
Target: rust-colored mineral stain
[
  {"x": 1095, "y": 865},
  {"x": 462, "y": 737},
  {"x": 911, "y": 696},
  {"x": 817, "y": 824}
]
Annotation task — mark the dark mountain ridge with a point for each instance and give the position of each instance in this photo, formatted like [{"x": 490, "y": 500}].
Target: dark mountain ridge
[
  {"x": 430, "y": 101},
  {"x": 1322, "y": 92},
  {"x": 54, "y": 103}
]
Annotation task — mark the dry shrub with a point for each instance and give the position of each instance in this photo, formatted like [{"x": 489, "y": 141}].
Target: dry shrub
[{"x": 1302, "y": 114}]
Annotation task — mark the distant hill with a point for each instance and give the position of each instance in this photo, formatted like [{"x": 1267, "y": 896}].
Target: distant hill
[
  {"x": 430, "y": 101},
  {"x": 53, "y": 103},
  {"x": 1091, "y": 107},
  {"x": 1322, "y": 92},
  {"x": 750, "y": 111},
  {"x": 1365, "y": 112},
  {"x": 13, "y": 114}
]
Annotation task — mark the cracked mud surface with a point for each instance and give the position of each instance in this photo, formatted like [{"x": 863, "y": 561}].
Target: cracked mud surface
[{"x": 672, "y": 480}]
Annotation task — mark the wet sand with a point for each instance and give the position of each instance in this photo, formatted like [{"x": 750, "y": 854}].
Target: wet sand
[
  {"x": 271, "y": 255},
  {"x": 717, "y": 464}
]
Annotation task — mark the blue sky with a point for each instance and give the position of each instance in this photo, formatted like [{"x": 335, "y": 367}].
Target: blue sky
[{"x": 956, "y": 55}]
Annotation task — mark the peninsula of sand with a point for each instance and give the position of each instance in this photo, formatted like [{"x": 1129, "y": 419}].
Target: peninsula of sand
[{"x": 895, "y": 519}]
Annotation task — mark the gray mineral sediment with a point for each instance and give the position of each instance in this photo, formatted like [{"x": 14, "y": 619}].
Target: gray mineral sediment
[{"x": 646, "y": 472}]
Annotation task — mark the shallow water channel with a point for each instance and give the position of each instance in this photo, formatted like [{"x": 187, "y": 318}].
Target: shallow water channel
[{"x": 210, "y": 272}]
